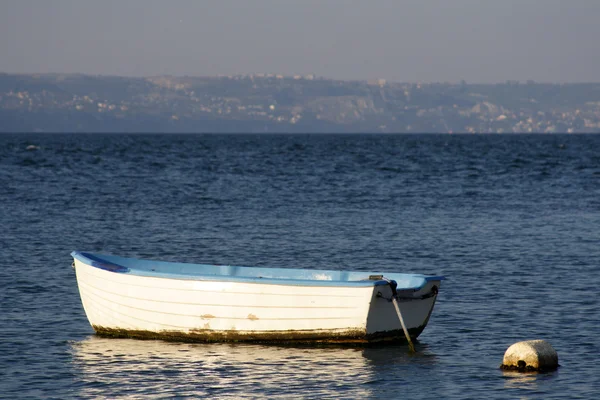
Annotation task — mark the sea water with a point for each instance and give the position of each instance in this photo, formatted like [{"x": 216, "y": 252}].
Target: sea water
[{"x": 512, "y": 221}]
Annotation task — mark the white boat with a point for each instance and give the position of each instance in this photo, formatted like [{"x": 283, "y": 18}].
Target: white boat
[{"x": 128, "y": 297}]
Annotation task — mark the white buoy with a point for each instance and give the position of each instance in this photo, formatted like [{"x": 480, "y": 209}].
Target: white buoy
[{"x": 530, "y": 355}]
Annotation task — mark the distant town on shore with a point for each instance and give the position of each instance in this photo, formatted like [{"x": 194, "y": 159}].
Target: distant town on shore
[{"x": 300, "y": 103}]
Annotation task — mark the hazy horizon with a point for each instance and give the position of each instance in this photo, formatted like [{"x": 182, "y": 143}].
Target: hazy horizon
[{"x": 401, "y": 41}]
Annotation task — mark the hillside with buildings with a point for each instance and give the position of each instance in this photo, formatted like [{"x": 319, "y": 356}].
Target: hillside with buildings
[{"x": 276, "y": 103}]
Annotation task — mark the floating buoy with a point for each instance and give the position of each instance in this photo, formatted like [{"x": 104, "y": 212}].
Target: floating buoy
[{"x": 530, "y": 355}]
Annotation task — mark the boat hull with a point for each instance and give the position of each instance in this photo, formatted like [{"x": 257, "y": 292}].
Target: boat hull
[{"x": 149, "y": 307}]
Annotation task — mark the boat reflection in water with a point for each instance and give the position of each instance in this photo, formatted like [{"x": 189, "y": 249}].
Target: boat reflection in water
[{"x": 122, "y": 367}]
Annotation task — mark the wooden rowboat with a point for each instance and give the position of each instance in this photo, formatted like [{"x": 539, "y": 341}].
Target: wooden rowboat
[{"x": 128, "y": 297}]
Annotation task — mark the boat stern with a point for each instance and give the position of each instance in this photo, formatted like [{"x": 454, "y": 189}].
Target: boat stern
[{"x": 415, "y": 305}]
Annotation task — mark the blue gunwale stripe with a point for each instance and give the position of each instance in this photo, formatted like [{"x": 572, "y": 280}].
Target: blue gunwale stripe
[{"x": 221, "y": 273}]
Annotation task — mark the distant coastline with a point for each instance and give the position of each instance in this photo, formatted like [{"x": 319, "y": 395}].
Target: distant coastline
[{"x": 282, "y": 104}]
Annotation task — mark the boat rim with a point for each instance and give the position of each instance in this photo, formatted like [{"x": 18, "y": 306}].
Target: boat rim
[{"x": 405, "y": 281}]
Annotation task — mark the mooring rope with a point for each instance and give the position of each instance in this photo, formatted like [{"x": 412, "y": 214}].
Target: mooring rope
[
  {"x": 411, "y": 346},
  {"x": 394, "y": 299}
]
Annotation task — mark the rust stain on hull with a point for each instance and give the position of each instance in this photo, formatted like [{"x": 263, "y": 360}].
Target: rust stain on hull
[
  {"x": 252, "y": 317},
  {"x": 351, "y": 337}
]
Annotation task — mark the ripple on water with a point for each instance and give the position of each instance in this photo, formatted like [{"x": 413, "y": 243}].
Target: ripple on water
[{"x": 511, "y": 220}]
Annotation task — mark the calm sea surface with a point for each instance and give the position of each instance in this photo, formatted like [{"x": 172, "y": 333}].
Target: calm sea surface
[{"x": 512, "y": 221}]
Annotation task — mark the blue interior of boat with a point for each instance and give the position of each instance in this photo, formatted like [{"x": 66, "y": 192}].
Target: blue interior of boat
[{"x": 282, "y": 276}]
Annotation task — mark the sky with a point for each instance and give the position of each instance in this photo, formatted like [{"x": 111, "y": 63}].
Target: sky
[{"x": 479, "y": 41}]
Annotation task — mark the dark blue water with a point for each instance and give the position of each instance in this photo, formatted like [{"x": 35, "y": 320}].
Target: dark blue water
[{"x": 512, "y": 221}]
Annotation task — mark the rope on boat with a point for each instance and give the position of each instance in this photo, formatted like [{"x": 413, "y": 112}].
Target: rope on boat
[
  {"x": 394, "y": 299},
  {"x": 411, "y": 346}
]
